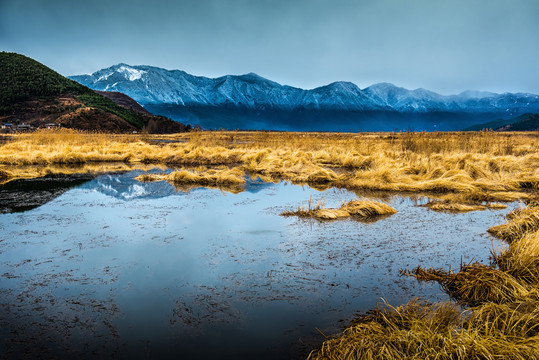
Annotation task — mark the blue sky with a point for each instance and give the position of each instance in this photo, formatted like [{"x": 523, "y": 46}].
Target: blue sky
[{"x": 444, "y": 45}]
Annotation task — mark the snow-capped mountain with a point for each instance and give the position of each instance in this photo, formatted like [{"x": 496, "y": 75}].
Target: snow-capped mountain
[{"x": 152, "y": 85}]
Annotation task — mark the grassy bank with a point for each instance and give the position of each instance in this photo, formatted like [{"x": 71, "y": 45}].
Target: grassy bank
[{"x": 478, "y": 166}]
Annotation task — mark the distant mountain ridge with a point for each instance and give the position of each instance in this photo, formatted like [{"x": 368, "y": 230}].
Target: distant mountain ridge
[
  {"x": 152, "y": 85},
  {"x": 252, "y": 102}
]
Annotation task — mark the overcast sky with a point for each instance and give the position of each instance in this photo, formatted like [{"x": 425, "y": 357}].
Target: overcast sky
[{"x": 444, "y": 45}]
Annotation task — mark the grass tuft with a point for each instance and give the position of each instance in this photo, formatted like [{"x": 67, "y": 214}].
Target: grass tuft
[
  {"x": 441, "y": 331},
  {"x": 477, "y": 284},
  {"x": 361, "y": 208},
  {"x": 522, "y": 221},
  {"x": 201, "y": 176}
]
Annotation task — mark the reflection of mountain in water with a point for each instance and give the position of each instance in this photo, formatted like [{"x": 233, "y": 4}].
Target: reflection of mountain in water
[
  {"x": 125, "y": 187},
  {"x": 27, "y": 194}
]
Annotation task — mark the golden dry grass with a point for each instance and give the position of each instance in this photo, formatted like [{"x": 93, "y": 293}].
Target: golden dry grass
[
  {"x": 521, "y": 260},
  {"x": 448, "y": 205},
  {"x": 521, "y": 222},
  {"x": 36, "y": 171},
  {"x": 439, "y": 331},
  {"x": 472, "y": 164},
  {"x": 223, "y": 178},
  {"x": 478, "y": 283},
  {"x": 361, "y": 208}
]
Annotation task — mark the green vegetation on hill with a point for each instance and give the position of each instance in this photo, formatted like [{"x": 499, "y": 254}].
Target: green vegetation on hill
[
  {"x": 22, "y": 78},
  {"x": 530, "y": 123},
  {"x": 100, "y": 102}
]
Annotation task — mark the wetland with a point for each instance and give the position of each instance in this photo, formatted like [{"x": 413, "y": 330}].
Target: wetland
[
  {"x": 246, "y": 244},
  {"x": 111, "y": 265}
]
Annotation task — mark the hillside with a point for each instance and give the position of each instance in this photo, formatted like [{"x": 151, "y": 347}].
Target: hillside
[
  {"x": 124, "y": 101},
  {"x": 33, "y": 94},
  {"x": 524, "y": 122}
]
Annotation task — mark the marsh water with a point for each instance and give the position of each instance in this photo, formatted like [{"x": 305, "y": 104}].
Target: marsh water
[{"x": 109, "y": 267}]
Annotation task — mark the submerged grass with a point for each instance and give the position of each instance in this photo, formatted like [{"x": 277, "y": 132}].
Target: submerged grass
[{"x": 445, "y": 205}]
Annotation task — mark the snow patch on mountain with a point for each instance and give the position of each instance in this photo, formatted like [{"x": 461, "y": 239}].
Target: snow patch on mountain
[
  {"x": 130, "y": 73},
  {"x": 104, "y": 77}
]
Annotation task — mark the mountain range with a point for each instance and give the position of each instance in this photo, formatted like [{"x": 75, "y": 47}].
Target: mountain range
[{"x": 252, "y": 102}]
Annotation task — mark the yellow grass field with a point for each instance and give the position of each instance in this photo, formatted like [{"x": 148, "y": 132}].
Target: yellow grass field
[
  {"x": 463, "y": 171},
  {"x": 481, "y": 166}
]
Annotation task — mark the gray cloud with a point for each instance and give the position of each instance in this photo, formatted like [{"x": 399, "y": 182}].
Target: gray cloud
[{"x": 444, "y": 45}]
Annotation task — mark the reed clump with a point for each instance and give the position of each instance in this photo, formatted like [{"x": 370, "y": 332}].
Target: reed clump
[
  {"x": 521, "y": 222},
  {"x": 360, "y": 208},
  {"x": 478, "y": 283},
  {"x": 439, "y": 331},
  {"x": 448, "y": 205},
  {"x": 365, "y": 208},
  {"x": 200, "y": 176},
  {"x": 521, "y": 259}
]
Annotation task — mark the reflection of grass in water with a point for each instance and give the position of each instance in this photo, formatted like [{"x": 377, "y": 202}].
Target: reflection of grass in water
[{"x": 359, "y": 208}]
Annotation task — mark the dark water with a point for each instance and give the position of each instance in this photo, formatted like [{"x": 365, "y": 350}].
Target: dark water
[{"x": 114, "y": 268}]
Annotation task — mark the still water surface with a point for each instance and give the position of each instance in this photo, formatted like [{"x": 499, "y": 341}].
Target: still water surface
[{"x": 116, "y": 268}]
